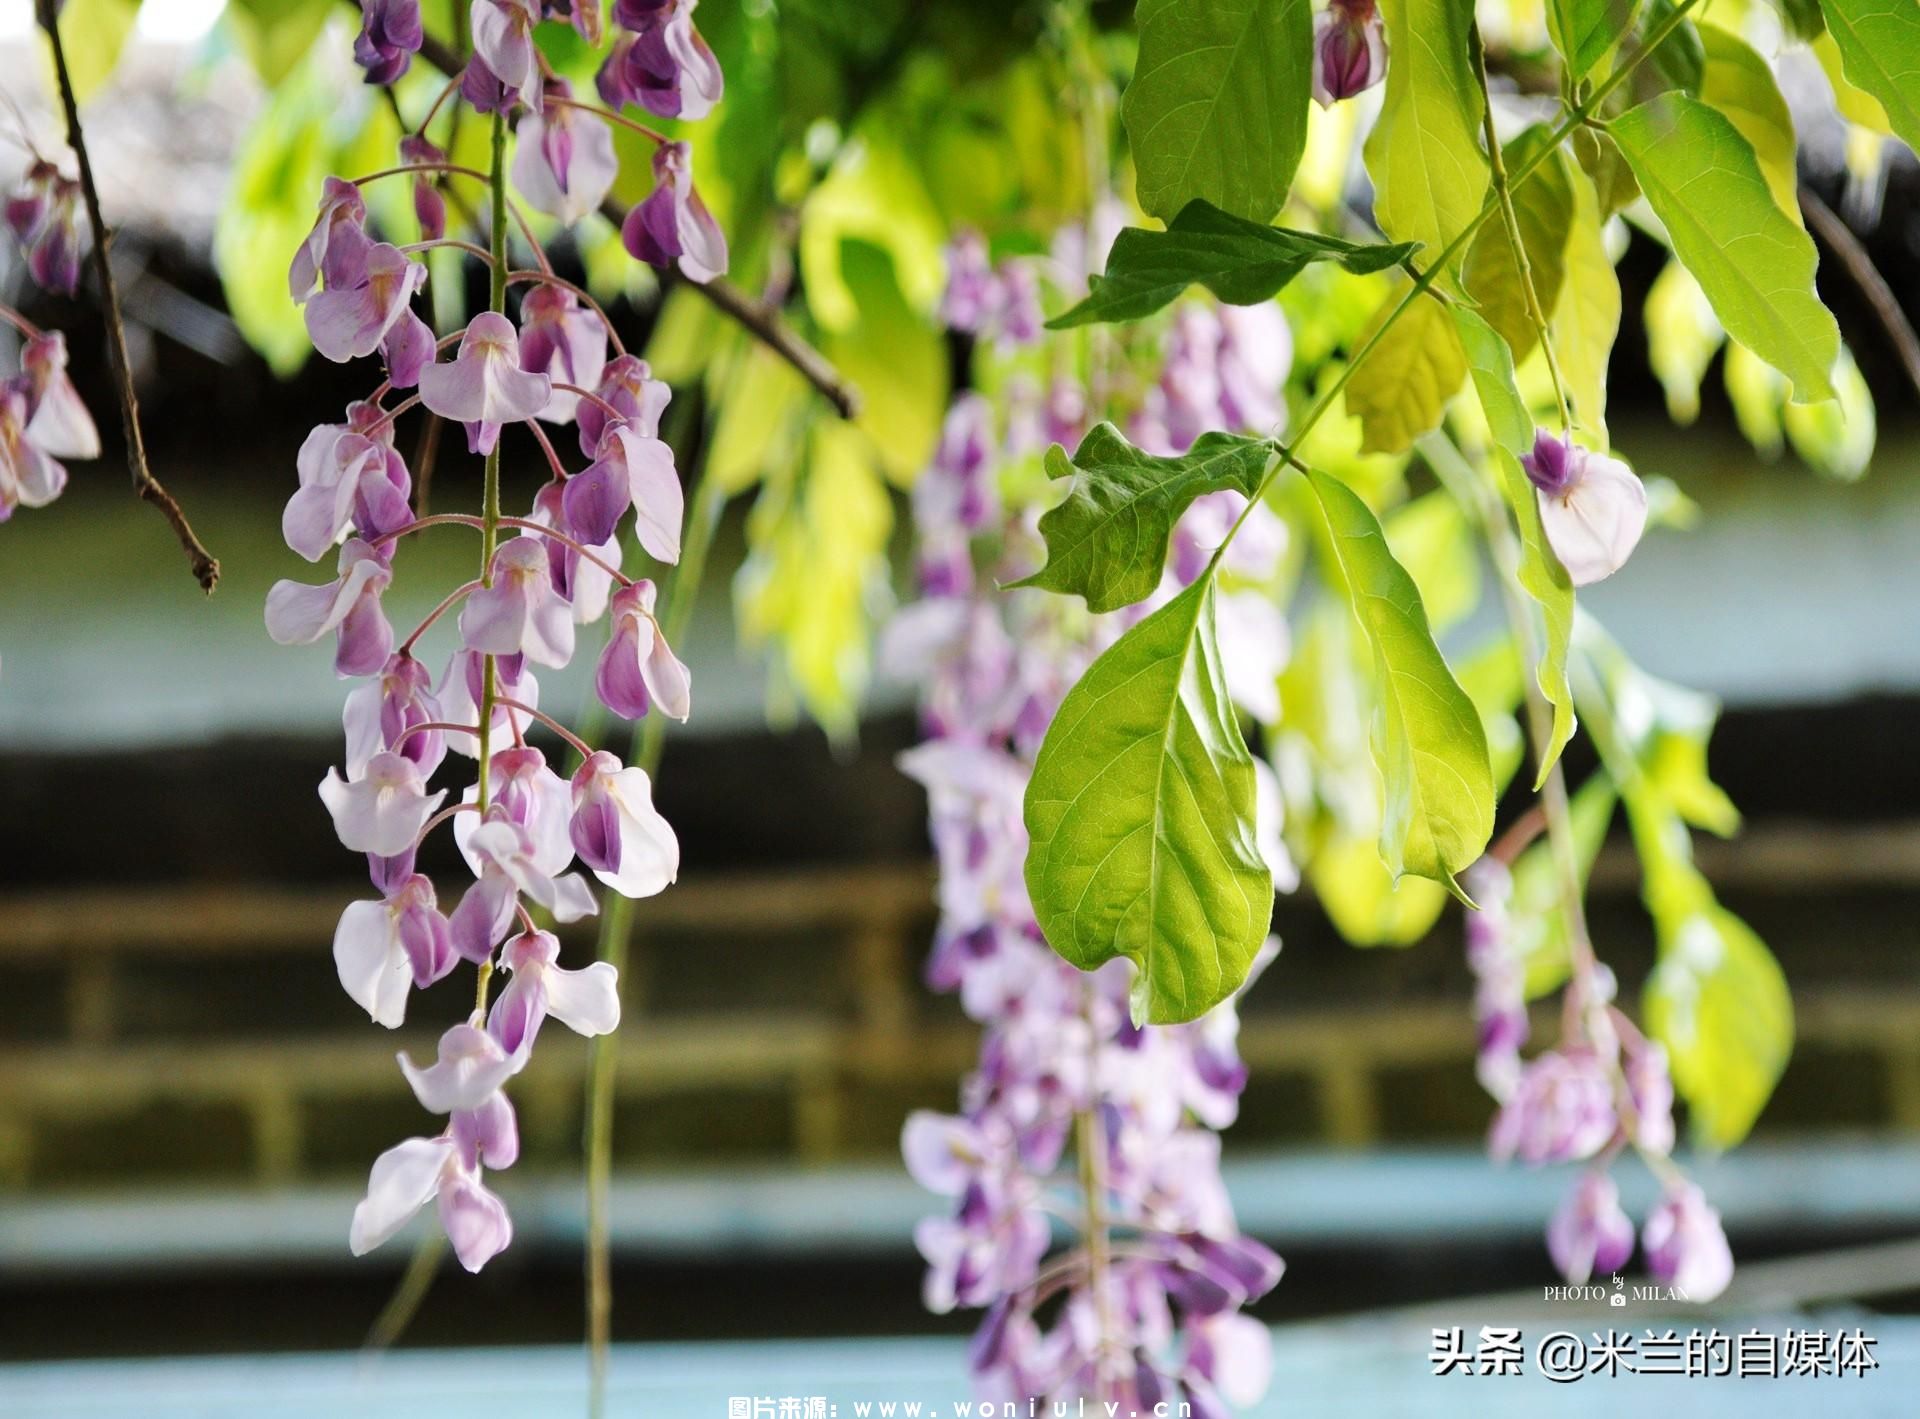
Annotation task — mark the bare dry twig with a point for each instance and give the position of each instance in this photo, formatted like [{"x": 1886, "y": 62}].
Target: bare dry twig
[{"x": 206, "y": 569}]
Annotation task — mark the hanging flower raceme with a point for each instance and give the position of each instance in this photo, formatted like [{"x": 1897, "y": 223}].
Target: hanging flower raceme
[
  {"x": 1605, "y": 1088},
  {"x": 532, "y": 840},
  {"x": 1153, "y": 1318}
]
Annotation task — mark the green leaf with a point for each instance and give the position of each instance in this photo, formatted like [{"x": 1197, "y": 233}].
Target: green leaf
[
  {"x": 1108, "y": 540},
  {"x": 1218, "y": 103},
  {"x": 1587, "y": 320},
  {"x": 756, "y": 418},
  {"x": 1836, "y": 440},
  {"x": 1140, "y": 815},
  {"x": 1490, "y": 362},
  {"x": 1719, "y": 1003},
  {"x": 1402, "y": 387},
  {"x": 276, "y": 34},
  {"x": 1755, "y": 265},
  {"x": 816, "y": 566},
  {"x": 1429, "y": 173},
  {"x": 1683, "y": 336},
  {"x": 1679, "y": 60},
  {"x": 1428, "y": 742},
  {"x": 1739, "y": 83},
  {"x": 1584, "y": 30},
  {"x": 93, "y": 33},
  {"x": 1241, "y": 262},
  {"x": 1879, "y": 44},
  {"x": 895, "y": 356},
  {"x": 1543, "y": 209}
]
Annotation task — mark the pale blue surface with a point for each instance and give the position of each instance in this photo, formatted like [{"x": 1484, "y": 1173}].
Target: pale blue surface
[{"x": 1370, "y": 1367}]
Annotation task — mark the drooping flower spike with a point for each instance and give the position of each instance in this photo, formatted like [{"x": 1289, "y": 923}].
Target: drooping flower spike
[{"x": 547, "y": 571}]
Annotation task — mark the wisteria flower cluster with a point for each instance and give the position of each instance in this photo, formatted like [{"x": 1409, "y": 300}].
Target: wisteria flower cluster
[
  {"x": 1145, "y": 1306},
  {"x": 42, "y": 417},
  {"x": 1603, "y": 1088},
  {"x": 529, "y": 836}
]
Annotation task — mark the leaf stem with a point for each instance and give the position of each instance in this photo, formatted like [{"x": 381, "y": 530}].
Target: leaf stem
[{"x": 205, "y": 567}]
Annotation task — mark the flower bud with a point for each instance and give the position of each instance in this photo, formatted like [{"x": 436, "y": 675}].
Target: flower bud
[{"x": 1349, "y": 51}]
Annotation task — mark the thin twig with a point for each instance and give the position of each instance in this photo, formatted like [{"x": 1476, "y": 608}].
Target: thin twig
[
  {"x": 206, "y": 570},
  {"x": 1844, "y": 244},
  {"x": 762, "y": 323}
]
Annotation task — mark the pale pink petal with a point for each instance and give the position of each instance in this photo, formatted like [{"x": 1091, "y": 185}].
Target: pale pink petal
[
  {"x": 1596, "y": 522},
  {"x": 471, "y": 1067},
  {"x": 658, "y": 502},
  {"x": 476, "y": 1221},
  {"x": 372, "y": 966},
  {"x": 403, "y": 1179},
  {"x": 585, "y": 1001}
]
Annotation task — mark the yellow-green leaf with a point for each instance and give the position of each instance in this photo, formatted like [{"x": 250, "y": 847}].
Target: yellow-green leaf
[
  {"x": 1429, "y": 744},
  {"x": 1140, "y": 815},
  {"x": 1755, "y": 265},
  {"x": 1587, "y": 320},
  {"x": 1402, "y": 387},
  {"x": 1879, "y": 44},
  {"x": 92, "y": 34},
  {"x": 1542, "y": 209},
  {"x": 1429, "y": 172},
  {"x": 1218, "y": 103},
  {"x": 1740, "y": 84}
]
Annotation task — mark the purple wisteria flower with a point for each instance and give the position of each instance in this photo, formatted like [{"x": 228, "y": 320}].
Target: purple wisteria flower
[
  {"x": 662, "y": 64},
  {"x": 44, "y": 216},
  {"x": 483, "y": 386},
  {"x": 631, "y": 471},
  {"x": 503, "y": 46},
  {"x": 564, "y": 341},
  {"x": 429, "y": 207},
  {"x": 29, "y": 476},
  {"x": 627, "y": 386},
  {"x": 521, "y": 613},
  {"x": 57, "y": 420},
  {"x": 348, "y": 321},
  {"x": 1561, "y": 1110},
  {"x": 335, "y": 251},
  {"x": 1593, "y": 507},
  {"x": 383, "y": 810},
  {"x": 347, "y": 480},
  {"x": 349, "y": 607},
  {"x": 390, "y": 35},
  {"x": 585, "y": 1001},
  {"x": 616, "y": 830},
  {"x": 1685, "y": 1245},
  {"x": 563, "y": 161},
  {"x": 672, "y": 224},
  {"x": 1349, "y": 50},
  {"x": 381, "y": 949},
  {"x": 638, "y": 669},
  {"x": 1590, "y": 1235}
]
